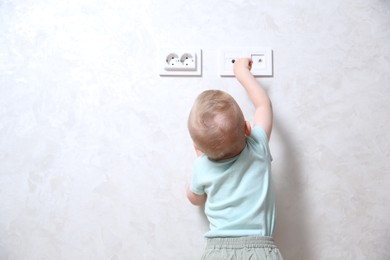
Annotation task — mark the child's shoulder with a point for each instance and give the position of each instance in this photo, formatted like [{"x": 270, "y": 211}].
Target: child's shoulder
[
  {"x": 259, "y": 134},
  {"x": 259, "y": 141}
]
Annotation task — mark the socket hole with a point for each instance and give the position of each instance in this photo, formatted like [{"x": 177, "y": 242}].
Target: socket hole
[{"x": 233, "y": 61}]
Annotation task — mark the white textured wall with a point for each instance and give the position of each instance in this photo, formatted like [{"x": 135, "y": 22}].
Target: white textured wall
[{"x": 94, "y": 151}]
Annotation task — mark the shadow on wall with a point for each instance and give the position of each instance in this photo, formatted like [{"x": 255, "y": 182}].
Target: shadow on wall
[{"x": 291, "y": 236}]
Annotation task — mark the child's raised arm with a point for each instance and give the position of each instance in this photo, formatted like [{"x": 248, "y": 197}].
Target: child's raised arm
[{"x": 263, "y": 115}]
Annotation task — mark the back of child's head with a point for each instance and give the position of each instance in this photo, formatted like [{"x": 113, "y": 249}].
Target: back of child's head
[{"x": 217, "y": 125}]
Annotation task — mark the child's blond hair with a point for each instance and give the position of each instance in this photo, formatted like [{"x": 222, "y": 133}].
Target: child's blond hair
[{"x": 217, "y": 125}]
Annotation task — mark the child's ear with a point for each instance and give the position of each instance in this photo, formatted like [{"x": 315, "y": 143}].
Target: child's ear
[
  {"x": 197, "y": 150},
  {"x": 248, "y": 128}
]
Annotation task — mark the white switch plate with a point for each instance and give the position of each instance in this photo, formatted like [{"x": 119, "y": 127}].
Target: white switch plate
[
  {"x": 180, "y": 62},
  {"x": 261, "y": 56}
]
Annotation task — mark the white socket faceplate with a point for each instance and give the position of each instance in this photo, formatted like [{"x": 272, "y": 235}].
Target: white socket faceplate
[
  {"x": 261, "y": 56},
  {"x": 180, "y": 62}
]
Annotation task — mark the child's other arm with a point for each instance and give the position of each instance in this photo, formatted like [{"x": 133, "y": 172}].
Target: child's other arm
[
  {"x": 263, "y": 115},
  {"x": 195, "y": 199}
]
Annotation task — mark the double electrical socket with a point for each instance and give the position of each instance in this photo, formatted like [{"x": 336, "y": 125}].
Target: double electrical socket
[
  {"x": 261, "y": 56},
  {"x": 176, "y": 62}
]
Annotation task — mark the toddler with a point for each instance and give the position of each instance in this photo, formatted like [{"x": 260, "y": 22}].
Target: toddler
[{"x": 232, "y": 174}]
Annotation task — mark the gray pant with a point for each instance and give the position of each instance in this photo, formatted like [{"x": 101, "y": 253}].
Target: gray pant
[{"x": 241, "y": 248}]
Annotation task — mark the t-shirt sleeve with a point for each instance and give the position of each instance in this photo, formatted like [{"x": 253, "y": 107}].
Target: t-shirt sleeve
[
  {"x": 259, "y": 134},
  {"x": 196, "y": 186}
]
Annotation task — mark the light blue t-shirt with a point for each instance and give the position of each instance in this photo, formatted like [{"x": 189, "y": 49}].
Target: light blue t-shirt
[{"x": 240, "y": 201}]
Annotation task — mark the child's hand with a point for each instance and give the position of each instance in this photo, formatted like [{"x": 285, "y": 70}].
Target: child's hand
[{"x": 242, "y": 64}]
